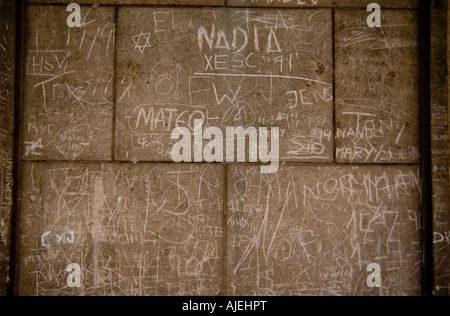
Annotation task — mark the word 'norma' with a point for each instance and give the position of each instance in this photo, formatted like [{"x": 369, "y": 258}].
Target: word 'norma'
[{"x": 213, "y": 151}]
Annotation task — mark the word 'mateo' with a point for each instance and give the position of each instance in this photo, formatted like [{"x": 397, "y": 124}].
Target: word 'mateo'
[{"x": 213, "y": 151}]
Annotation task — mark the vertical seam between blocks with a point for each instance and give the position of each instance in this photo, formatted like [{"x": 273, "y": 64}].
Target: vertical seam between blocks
[
  {"x": 20, "y": 43},
  {"x": 333, "y": 45},
  {"x": 427, "y": 208},
  {"x": 114, "y": 98}
]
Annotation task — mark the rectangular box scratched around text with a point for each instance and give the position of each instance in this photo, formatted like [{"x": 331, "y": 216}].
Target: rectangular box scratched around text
[{"x": 228, "y": 67}]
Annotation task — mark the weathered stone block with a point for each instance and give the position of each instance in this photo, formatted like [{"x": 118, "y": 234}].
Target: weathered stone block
[
  {"x": 377, "y": 88},
  {"x": 439, "y": 64},
  {"x": 6, "y": 187},
  {"x": 323, "y": 3},
  {"x": 7, "y": 89},
  {"x": 142, "y": 229},
  {"x": 393, "y": 4},
  {"x": 138, "y": 2},
  {"x": 281, "y": 3},
  {"x": 68, "y": 97},
  {"x": 230, "y": 68},
  {"x": 313, "y": 230}
]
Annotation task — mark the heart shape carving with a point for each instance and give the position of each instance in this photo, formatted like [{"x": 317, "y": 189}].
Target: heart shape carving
[{"x": 72, "y": 142}]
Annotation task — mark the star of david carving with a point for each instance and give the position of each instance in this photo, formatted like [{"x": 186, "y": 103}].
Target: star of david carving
[{"x": 142, "y": 41}]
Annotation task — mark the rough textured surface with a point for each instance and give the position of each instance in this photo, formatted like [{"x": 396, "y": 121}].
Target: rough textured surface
[
  {"x": 98, "y": 188},
  {"x": 230, "y": 68},
  {"x": 281, "y": 3},
  {"x": 324, "y": 3},
  {"x": 410, "y": 4},
  {"x": 285, "y": 235},
  {"x": 68, "y": 85},
  {"x": 138, "y": 2},
  {"x": 134, "y": 230},
  {"x": 439, "y": 148},
  {"x": 7, "y": 62},
  {"x": 377, "y": 88}
]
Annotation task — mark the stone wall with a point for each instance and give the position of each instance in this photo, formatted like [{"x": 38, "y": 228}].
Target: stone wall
[
  {"x": 98, "y": 187},
  {"x": 7, "y": 74}
]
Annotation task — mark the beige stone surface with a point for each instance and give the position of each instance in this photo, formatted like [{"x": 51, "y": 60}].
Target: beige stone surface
[
  {"x": 439, "y": 148},
  {"x": 324, "y": 3},
  {"x": 399, "y": 4},
  {"x": 281, "y": 3},
  {"x": 7, "y": 75},
  {"x": 137, "y": 2},
  {"x": 69, "y": 72},
  {"x": 98, "y": 187},
  {"x": 6, "y": 185},
  {"x": 143, "y": 229},
  {"x": 377, "y": 88},
  {"x": 314, "y": 230},
  {"x": 229, "y": 67},
  {"x": 408, "y": 4}
]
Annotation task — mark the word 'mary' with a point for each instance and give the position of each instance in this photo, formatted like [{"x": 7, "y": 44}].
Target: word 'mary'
[{"x": 213, "y": 151}]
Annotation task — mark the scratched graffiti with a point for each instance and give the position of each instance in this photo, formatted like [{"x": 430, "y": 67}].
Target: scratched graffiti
[
  {"x": 323, "y": 3},
  {"x": 246, "y": 68},
  {"x": 288, "y": 236},
  {"x": 134, "y": 230},
  {"x": 280, "y": 3},
  {"x": 7, "y": 69},
  {"x": 440, "y": 152},
  {"x": 134, "y": 226},
  {"x": 68, "y": 85},
  {"x": 377, "y": 73}
]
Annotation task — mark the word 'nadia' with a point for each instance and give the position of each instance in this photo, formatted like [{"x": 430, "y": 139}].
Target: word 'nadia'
[{"x": 214, "y": 150}]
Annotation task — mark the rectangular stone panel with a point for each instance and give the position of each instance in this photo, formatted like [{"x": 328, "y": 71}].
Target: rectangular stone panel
[
  {"x": 323, "y": 3},
  {"x": 281, "y": 3},
  {"x": 315, "y": 230},
  {"x": 229, "y": 67},
  {"x": 440, "y": 50},
  {"x": 68, "y": 92},
  {"x": 6, "y": 187},
  {"x": 410, "y": 4},
  {"x": 392, "y": 4},
  {"x": 377, "y": 88},
  {"x": 142, "y": 230},
  {"x": 7, "y": 76},
  {"x": 138, "y": 2}
]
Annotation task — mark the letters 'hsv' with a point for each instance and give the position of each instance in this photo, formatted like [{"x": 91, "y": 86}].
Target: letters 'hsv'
[
  {"x": 374, "y": 19},
  {"x": 74, "y": 19}
]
